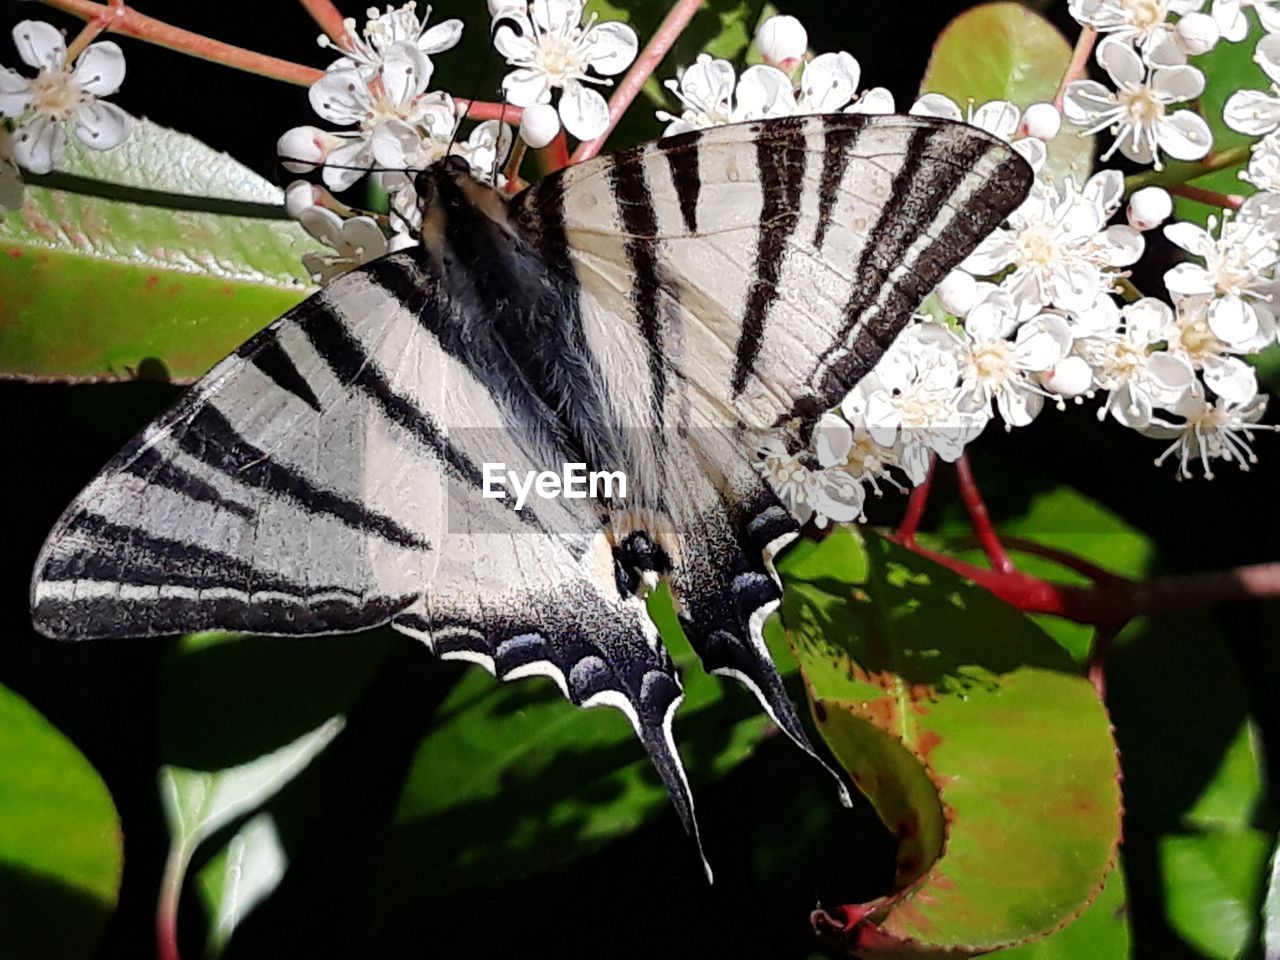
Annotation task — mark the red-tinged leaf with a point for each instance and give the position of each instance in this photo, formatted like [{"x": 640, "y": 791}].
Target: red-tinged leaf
[{"x": 974, "y": 735}]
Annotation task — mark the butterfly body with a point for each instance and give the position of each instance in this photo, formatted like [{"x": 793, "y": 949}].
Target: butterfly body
[{"x": 651, "y": 312}]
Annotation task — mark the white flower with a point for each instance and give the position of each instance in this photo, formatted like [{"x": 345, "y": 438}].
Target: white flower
[
  {"x": 1231, "y": 20},
  {"x": 1188, "y": 335},
  {"x": 1058, "y": 243},
  {"x": 1142, "y": 23},
  {"x": 1196, "y": 34},
  {"x": 348, "y": 95},
  {"x": 1041, "y": 120},
  {"x": 551, "y": 49},
  {"x": 353, "y": 241},
  {"x": 995, "y": 367},
  {"x": 911, "y": 400},
  {"x": 1221, "y": 430},
  {"x": 841, "y": 445},
  {"x": 1000, "y": 118},
  {"x": 1070, "y": 378},
  {"x": 61, "y": 97},
  {"x": 539, "y": 125},
  {"x": 713, "y": 95},
  {"x": 782, "y": 41},
  {"x": 1237, "y": 264},
  {"x": 1139, "y": 376},
  {"x": 1137, "y": 112},
  {"x": 1148, "y": 208},
  {"x": 383, "y": 32}
]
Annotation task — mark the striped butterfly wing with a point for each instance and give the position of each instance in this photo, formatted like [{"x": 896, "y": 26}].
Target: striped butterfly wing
[
  {"x": 636, "y": 312},
  {"x": 746, "y": 277}
]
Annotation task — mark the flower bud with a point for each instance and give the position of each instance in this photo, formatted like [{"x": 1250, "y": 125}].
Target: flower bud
[
  {"x": 302, "y": 149},
  {"x": 1196, "y": 33},
  {"x": 539, "y": 125},
  {"x": 782, "y": 41},
  {"x": 299, "y": 196},
  {"x": 1042, "y": 121},
  {"x": 1070, "y": 377},
  {"x": 1149, "y": 207},
  {"x": 957, "y": 293}
]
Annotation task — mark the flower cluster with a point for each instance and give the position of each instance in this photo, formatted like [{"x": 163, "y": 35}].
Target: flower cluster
[{"x": 1042, "y": 310}]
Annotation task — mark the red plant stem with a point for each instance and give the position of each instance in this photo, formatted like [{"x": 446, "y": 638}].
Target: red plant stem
[
  {"x": 981, "y": 518},
  {"x": 1227, "y": 201},
  {"x": 1117, "y": 601},
  {"x": 1079, "y": 64},
  {"x": 328, "y": 18},
  {"x": 555, "y": 155},
  {"x": 668, "y": 31},
  {"x": 916, "y": 502},
  {"x": 1063, "y": 558},
  {"x": 122, "y": 19},
  {"x": 485, "y": 110}
]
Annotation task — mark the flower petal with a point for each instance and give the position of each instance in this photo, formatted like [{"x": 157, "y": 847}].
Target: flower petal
[
  {"x": 1121, "y": 62},
  {"x": 609, "y": 48},
  {"x": 405, "y": 72},
  {"x": 583, "y": 110},
  {"x": 1231, "y": 378},
  {"x": 1231, "y": 20},
  {"x": 1148, "y": 320},
  {"x": 1178, "y": 83},
  {"x": 100, "y": 125},
  {"x": 526, "y": 86},
  {"x": 1251, "y": 112},
  {"x": 1189, "y": 279},
  {"x": 999, "y": 117},
  {"x": 39, "y": 144},
  {"x": 1184, "y": 135},
  {"x": 100, "y": 69},
  {"x": 936, "y": 105},
  {"x": 40, "y": 45},
  {"x": 15, "y": 93},
  {"x": 341, "y": 96},
  {"x": 829, "y": 82},
  {"x": 347, "y": 164},
  {"x": 832, "y": 440},
  {"x": 441, "y": 37},
  {"x": 1190, "y": 238},
  {"x": 764, "y": 91},
  {"x": 1042, "y": 342},
  {"x": 362, "y": 240},
  {"x": 1232, "y": 319},
  {"x": 1084, "y": 100},
  {"x": 875, "y": 101},
  {"x": 1019, "y": 407}
]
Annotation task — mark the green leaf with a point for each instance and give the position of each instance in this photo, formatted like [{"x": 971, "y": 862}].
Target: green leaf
[
  {"x": 181, "y": 258},
  {"x": 1214, "y": 871},
  {"x": 512, "y": 779},
  {"x": 975, "y": 737},
  {"x": 241, "y": 717},
  {"x": 1102, "y": 933},
  {"x": 1006, "y": 51},
  {"x": 60, "y": 843},
  {"x": 241, "y": 876}
]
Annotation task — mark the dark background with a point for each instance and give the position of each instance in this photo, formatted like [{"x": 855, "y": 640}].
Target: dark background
[{"x": 643, "y": 896}]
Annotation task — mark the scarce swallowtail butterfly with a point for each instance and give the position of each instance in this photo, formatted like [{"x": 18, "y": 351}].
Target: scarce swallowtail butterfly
[{"x": 652, "y": 312}]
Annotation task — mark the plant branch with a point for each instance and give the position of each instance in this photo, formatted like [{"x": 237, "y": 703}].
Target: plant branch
[
  {"x": 1176, "y": 173},
  {"x": 981, "y": 517},
  {"x": 916, "y": 503},
  {"x": 668, "y": 31},
  {"x": 1212, "y": 198},
  {"x": 328, "y": 18},
  {"x": 122, "y": 19},
  {"x": 1078, "y": 65},
  {"x": 555, "y": 155}
]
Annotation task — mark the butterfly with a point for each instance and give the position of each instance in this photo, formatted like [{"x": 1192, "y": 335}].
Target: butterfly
[{"x": 653, "y": 312}]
